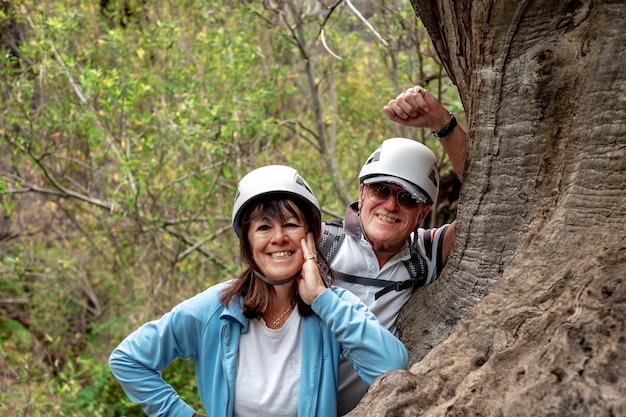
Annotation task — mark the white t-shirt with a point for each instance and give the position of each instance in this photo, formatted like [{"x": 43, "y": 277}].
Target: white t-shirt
[{"x": 268, "y": 369}]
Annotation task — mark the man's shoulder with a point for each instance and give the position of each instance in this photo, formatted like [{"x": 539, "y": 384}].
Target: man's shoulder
[{"x": 429, "y": 236}]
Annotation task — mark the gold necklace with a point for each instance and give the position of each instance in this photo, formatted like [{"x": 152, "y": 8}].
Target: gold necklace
[{"x": 276, "y": 321}]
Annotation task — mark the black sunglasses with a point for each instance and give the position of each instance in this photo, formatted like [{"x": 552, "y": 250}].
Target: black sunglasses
[{"x": 379, "y": 192}]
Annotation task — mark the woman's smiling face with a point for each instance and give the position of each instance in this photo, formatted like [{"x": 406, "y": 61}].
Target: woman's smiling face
[{"x": 275, "y": 241}]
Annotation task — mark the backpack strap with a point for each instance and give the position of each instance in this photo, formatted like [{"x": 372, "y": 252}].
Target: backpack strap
[
  {"x": 332, "y": 237},
  {"x": 330, "y": 241},
  {"x": 386, "y": 285},
  {"x": 416, "y": 265}
]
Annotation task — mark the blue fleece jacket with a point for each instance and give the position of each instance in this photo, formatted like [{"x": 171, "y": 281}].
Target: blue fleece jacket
[{"x": 207, "y": 332}]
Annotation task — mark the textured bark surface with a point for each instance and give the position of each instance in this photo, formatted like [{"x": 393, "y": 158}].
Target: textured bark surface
[{"x": 528, "y": 318}]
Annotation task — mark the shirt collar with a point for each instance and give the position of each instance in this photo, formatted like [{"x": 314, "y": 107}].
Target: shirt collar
[
  {"x": 352, "y": 225},
  {"x": 235, "y": 311}
]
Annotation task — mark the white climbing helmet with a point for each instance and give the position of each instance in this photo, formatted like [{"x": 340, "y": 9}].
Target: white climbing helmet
[
  {"x": 407, "y": 163},
  {"x": 267, "y": 180}
]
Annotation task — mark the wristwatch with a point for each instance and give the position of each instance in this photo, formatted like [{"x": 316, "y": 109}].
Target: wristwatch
[{"x": 447, "y": 128}]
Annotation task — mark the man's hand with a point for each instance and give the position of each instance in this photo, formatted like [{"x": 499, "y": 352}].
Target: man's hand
[{"x": 416, "y": 107}]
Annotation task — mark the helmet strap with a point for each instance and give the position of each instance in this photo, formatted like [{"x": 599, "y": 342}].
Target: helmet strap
[{"x": 279, "y": 282}]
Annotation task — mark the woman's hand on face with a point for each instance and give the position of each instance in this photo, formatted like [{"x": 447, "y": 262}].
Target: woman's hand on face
[{"x": 310, "y": 283}]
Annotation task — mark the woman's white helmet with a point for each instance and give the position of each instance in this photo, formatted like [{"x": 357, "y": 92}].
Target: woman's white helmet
[
  {"x": 270, "y": 179},
  {"x": 407, "y": 163}
]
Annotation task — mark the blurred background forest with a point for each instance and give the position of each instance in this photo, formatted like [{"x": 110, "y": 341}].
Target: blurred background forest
[{"x": 125, "y": 126}]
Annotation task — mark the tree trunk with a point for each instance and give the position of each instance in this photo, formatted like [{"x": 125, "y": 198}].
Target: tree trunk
[{"x": 528, "y": 317}]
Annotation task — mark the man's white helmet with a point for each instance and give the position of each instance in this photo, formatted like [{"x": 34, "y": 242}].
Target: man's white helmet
[
  {"x": 279, "y": 179},
  {"x": 407, "y": 163}
]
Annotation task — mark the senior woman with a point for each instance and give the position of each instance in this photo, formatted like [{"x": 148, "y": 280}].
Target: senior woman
[{"x": 268, "y": 341}]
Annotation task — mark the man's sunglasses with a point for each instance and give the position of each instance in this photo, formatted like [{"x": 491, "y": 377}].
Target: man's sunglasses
[{"x": 379, "y": 192}]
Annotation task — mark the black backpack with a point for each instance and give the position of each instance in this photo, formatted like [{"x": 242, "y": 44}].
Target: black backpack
[{"x": 331, "y": 239}]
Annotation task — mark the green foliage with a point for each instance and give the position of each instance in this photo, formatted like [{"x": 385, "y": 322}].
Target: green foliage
[{"x": 125, "y": 127}]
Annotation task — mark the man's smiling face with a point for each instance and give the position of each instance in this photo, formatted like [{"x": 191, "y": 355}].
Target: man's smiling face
[{"x": 386, "y": 223}]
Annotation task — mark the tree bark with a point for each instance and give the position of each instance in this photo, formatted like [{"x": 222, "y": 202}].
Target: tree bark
[{"x": 528, "y": 316}]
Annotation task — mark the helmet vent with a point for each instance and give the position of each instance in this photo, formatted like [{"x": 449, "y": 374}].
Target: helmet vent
[
  {"x": 301, "y": 182},
  {"x": 433, "y": 177},
  {"x": 374, "y": 158}
]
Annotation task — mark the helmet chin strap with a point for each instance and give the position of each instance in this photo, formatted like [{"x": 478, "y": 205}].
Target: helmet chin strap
[{"x": 279, "y": 282}]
